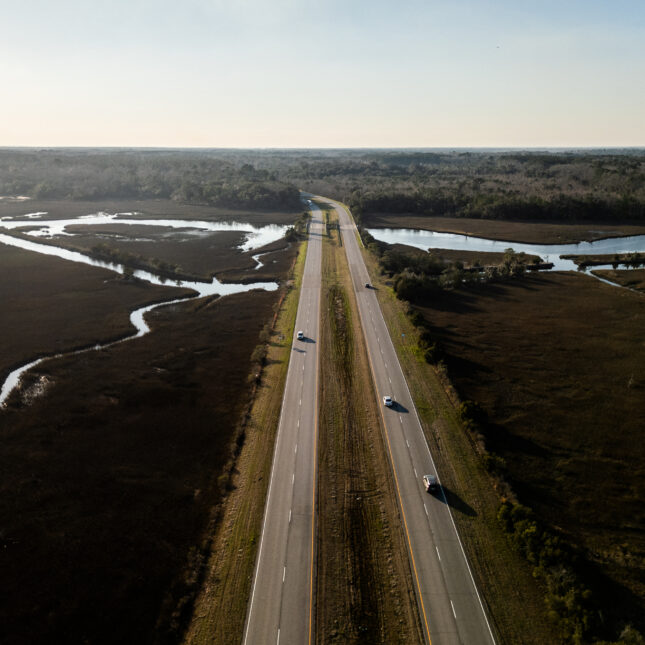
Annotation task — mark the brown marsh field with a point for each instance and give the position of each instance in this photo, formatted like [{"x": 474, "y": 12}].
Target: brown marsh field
[
  {"x": 557, "y": 361},
  {"x": 50, "y": 305},
  {"x": 147, "y": 208},
  {"x": 633, "y": 279},
  {"x": 112, "y": 479}
]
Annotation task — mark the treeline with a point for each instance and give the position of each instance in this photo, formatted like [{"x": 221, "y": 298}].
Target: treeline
[
  {"x": 569, "y": 186},
  {"x": 498, "y": 206},
  {"x": 183, "y": 176}
]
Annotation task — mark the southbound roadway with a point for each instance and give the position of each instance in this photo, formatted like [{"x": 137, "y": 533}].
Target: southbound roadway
[{"x": 280, "y": 609}]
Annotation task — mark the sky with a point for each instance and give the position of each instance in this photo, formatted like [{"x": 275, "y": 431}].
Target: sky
[{"x": 322, "y": 73}]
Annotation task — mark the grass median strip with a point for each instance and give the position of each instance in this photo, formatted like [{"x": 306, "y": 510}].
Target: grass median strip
[{"x": 364, "y": 588}]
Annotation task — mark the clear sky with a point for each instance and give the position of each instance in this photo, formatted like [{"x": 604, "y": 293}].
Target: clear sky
[{"x": 322, "y": 73}]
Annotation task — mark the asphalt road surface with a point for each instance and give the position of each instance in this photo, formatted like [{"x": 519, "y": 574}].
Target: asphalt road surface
[
  {"x": 450, "y": 606},
  {"x": 280, "y": 609}
]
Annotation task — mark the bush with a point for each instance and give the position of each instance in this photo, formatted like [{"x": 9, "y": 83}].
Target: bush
[
  {"x": 569, "y": 601},
  {"x": 470, "y": 411},
  {"x": 433, "y": 354}
]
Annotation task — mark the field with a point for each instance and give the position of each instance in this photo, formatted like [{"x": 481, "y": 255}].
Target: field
[
  {"x": 113, "y": 479},
  {"x": 511, "y": 231},
  {"x": 147, "y": 208},
  {"x": 197, "y": 255},
  {"x": 555, "y": 361}
]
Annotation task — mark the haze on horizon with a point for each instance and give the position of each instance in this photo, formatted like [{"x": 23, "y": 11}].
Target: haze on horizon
[{"x": 323, "y": 73}]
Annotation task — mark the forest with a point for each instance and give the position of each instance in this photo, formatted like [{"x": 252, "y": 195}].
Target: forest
[
  {"x": 183, "y": 176},
  {"x": 584, "y": 185}
]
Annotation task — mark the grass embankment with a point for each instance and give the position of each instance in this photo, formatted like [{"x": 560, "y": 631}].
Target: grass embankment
[
  {"x": 220, "y": 609},
  {"x": 515, "y": 602},
  {"x": 364, "y": 590},
  {"x": 504, "y": 230}
]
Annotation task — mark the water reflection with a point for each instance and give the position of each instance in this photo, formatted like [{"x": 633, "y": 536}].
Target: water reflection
[{"x": 548, "y": 252}]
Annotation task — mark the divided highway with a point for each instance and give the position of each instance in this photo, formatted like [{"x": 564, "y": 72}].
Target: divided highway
[
  {"x": 450, "y": 607},
  {"x": 280, "y": 609}
]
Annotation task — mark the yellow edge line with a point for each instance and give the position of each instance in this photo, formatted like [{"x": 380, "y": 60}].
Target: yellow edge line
[
  {"x": 405, "y": 524},
  {"x": 396, "y": 481}
]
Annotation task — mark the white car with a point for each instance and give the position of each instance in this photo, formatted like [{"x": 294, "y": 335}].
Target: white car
[
  {"x": 300, "y": 335},
  {"x": 387, "y": 401},
  {"x": 431, "y": 484}
]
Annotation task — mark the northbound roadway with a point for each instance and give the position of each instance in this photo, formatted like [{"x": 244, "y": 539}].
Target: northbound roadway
[{"x": 449, "y": 603}]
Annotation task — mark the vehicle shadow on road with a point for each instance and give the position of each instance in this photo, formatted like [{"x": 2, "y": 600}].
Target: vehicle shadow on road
[
  {"x": 455, "y": 502},
  {"x": 308, "y": 340},
  {"x": 399, "y": 408},
  {"x": 300, "y": 351}
]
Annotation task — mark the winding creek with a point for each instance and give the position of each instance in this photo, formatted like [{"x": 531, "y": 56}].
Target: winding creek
[{"x": 256, "y": 237}]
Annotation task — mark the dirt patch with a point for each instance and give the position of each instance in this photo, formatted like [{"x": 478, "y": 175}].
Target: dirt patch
[
  {"x": 527, "y": 232},
  {"x": 558, "y": 361}
]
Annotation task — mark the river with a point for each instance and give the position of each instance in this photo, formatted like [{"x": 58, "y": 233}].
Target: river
[{"x": 426, "y": 240}]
